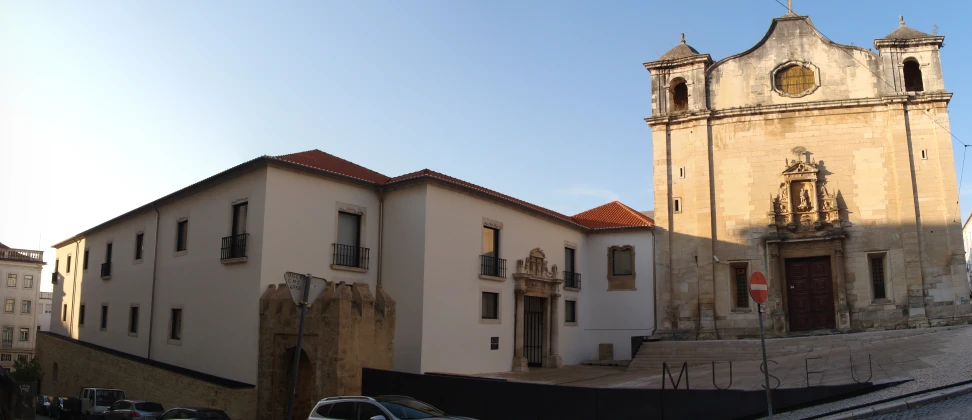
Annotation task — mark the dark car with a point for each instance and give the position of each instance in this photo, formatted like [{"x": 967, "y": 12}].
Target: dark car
[
  {"x": 128, "y": 409},
  {"x": 43, "y": 405},
  {"x": 195, "y": 414},
  {"x": 386, "y": 407},
  {"x": 65, "y": 408}
]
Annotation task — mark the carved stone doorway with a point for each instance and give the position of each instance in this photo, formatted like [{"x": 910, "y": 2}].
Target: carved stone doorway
[
  {"x": 536, "y": 332},
  {"x": 810, "y": 293},
  {"x": 533, "y": 310}
]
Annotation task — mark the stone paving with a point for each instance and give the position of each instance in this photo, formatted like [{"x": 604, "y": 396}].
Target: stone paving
[
  {"x": 924, "y": 361},
  {"x": 950, "y": 409},
  {"x": 893, "y": 360}
]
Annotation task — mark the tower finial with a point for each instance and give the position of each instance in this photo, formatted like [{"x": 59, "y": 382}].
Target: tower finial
[
  {"x": 901, "y": 19},
  {"x": 683, "y": 37},
  {"x": 789, "y": 6}
]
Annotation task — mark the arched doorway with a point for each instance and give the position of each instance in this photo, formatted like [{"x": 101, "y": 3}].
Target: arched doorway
[{"x": 306, "y": 394}]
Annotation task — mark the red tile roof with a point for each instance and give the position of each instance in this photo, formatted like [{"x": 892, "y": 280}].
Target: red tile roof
[
  {"x": 611, "y": 216},
  {"x": 327, "y": 162}
]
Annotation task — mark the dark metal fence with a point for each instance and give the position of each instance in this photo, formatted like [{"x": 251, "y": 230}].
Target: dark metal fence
[
  {"x": 106, "y": 269},
  {"x": 234, "y": 247},
  {"x": 572, "y": 279},
  {"x": 350, "y": 256},
  {"x": 492, "y": 266},
  {"x": 477, "y": 398}
]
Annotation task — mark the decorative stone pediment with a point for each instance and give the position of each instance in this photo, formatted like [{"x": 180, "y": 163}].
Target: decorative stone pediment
[
  {"x": 804, "y": 203},
  {"x": 532, "y": 276}
]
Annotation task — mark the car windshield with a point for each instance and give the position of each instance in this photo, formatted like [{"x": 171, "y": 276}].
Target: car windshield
[
  {"x": 108, "y": 396},
  {"x": 148, "y": 406},
  {"x": 404, "y": 408},
  {"x": 211, "y": 415}
]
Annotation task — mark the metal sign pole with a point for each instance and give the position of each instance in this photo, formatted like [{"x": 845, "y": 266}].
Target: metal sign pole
[
  {"x": 300, "y": 341},
  {"x": 762, "y": 343}
]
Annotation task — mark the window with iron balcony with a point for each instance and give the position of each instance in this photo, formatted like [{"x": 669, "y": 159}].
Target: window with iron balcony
[
  {"x": 490, "y": 264},
  {"x": 234, "y": 246},
  {"x": 347, "y": 252},
  {"x": 572, "y": 279}
]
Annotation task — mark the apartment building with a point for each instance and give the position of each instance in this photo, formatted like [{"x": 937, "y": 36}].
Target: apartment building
[
  {"x": 21, "y": 270},
  {"x": 484, "y": 282}
]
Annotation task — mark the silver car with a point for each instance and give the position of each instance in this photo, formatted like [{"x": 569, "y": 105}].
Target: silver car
[
  {"x": 128, "y": 409},
  {"x": 388, "y": 407}
]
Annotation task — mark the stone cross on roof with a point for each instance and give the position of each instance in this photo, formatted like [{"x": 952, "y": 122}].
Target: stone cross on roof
[{"x": 789, "y": 6}]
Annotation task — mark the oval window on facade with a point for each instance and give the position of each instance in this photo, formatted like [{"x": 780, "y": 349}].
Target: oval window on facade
[{"x": 795, "y": 80}]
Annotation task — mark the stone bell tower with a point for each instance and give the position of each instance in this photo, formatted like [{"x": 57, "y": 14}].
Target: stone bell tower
[
  {"x": 678, "y": 80},
  {"x": 911, "y": 61}
]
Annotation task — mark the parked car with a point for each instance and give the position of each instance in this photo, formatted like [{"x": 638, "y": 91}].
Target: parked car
[
  {"x": 97, "y": 400},
  {"x": 128, "y": 409},
  {"x": 195, "y": 414},
  {"x": 388, "y": 407},
  {"x": 43, "y": 405},
  {"x": 65, "y": 408}
]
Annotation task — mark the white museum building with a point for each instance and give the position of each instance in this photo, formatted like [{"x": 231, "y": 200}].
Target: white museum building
[
  {"x": 483, "y": 282},
  {"x": 20, "y": 270}
]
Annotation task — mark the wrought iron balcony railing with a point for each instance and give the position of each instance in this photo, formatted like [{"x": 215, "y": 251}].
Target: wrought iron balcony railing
[
  {"x": 492, "y": 266},
  {"x": 234, "y": 247},
  {"x": 572, "y": 279},
  {"x": 350, "y": 256}
]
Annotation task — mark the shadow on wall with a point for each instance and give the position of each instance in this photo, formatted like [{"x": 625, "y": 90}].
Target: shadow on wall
[{"x": 854, "y": 277}]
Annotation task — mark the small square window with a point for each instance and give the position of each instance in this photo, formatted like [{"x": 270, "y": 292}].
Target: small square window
[
  {"x": 681, "y": 172},
  {"x": 11, "y": 280},
  {"x": 28, "y": 281},
  {"x": 182, "y": 236},
  {"x": 924, "y": 154},
  {"x": 494, "y": 343},
  {"x": 175, "y": 327},
  {"x": 490, "y": 305},
  {"x": 570, "y": 311},
  {"x": 104, "y": 317}
]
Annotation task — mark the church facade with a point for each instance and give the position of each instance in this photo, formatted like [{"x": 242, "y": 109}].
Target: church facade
[{"x": 827, "y": 167}]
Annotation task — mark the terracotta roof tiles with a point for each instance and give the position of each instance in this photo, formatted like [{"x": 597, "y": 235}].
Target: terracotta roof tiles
[
  {"x": 613, "y": 215},
  {"x": 327, "y": 162}
]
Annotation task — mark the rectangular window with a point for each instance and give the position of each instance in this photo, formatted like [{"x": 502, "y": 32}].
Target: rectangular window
[
  {"x": 25, "y": 335},
  {"x": 490, "y": 305},
  {"x": 740, "y": 283},
  {"x": 622, "y": 264},
  {"x": 138, "y": 245},
  {"x": 28, "y": 281},
  {"x": 6, "y": 357},
  {"x": 108, "y": 253},
  {"x": 68, "y": 268},
  {"x": 133, "y": 320},
  {"x": 348, "y": 252},
  {"x": 8, "y": 305},
  {"x": 7, "y": 336},
  {"x": 569, "y": 260},
  {"x": 677, "y": 205},
  {"x": 80, "y": 315},
  {"x": 570, "y": 311},
  {"x": 924, "y": 154},
  {"x": 239, "y": 219},
  {"x": 182, "y": 235},
  {"x": 11, "y": 280},
  {"x": 175, "y": 328},
  {"x": 64, "y": 313},
  {"x": 877, "y": 275},
  {"x": 494, "y": 343},
  {"x": 681, "y": 172},
  {"x": 57, "y": 265},
  {"x": 25, "y": 307},
  {"x": 22, "y": 357},
  {"x": 104, "y": 317},
  {"x": 84, "y": 263},
  {"x": 491, "y": 257}
]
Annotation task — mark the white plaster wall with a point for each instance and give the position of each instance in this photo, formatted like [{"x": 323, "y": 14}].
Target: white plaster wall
[
  {"x": 220, "y": 302},
  {"x": 44, "y": 319},
  {"x": 403, "y": 272},
  {"x": 66, "y": 289},
  {"x": 453, "y": 337},
  {"x": 17, "y": 319},
  {"x": 301, "y": 227},
  {"x": 616, "y": 316}
]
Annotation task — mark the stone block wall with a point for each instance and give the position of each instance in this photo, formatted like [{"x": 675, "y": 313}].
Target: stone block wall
[
  {"x": 345, "y": 330},
  {"x": 80, "y": 365}
]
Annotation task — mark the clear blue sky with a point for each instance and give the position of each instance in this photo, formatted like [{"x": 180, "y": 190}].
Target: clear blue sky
[{"x": 107, "y": 105}]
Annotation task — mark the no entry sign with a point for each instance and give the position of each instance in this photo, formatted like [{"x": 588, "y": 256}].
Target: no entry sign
[{"x": 758, "y": 288}]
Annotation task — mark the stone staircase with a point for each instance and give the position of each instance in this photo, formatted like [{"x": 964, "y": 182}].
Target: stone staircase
[{"x": 651, "y": 355}]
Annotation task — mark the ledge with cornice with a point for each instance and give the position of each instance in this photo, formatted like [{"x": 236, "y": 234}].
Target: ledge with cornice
[{"x": 912, "y": 98}]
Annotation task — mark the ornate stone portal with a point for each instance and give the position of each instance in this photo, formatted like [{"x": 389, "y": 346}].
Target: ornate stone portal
[
  {"x": 533, "y": 278},
  {"x": 806, "y": 218}
]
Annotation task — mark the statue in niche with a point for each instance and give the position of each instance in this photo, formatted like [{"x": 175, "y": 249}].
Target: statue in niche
[
  {"x": 805, "y": 204},
  {"x": 784, "y": 199}
]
